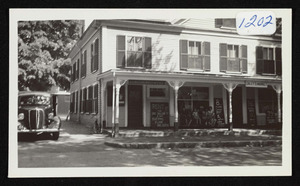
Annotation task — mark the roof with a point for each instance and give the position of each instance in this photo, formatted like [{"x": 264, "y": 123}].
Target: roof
[{"x": 25, "y": 93}]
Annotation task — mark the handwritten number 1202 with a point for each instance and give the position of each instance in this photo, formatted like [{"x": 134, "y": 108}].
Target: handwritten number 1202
[{"x": 259, "y": 22}]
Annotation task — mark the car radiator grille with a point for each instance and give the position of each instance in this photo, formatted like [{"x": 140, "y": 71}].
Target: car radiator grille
[{"x": 35, "y": 119}]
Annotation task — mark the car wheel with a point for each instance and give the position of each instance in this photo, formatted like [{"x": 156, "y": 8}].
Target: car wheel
[{"x": 55, "y": 135}]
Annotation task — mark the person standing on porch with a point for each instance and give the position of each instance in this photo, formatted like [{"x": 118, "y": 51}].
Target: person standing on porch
[
  {"x": 211, "y": 120},
  {"x": 196, "y": 117}
]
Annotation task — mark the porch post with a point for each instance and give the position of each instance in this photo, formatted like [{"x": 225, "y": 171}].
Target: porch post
[
  {"x": 113, "y": 109},
  {"x": 118, "y": 85},
  {"x": 117, "y": 110},
  {"x": 278, "y": 89},
  {"x": 176, "y": 85},
  {"x": 230, "y": 87},
  {"x": 102, "y": 94},
  {"x": 176, "y": 108}
]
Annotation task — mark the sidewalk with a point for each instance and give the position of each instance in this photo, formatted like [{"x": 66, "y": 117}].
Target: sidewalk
[{"x": 183, "y": 138}]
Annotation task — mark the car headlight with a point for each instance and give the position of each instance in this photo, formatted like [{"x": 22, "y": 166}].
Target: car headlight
[
  {"x": 21, "y": 116},
  {"x": 57, "y": 122},
  {"x": 50, "y": 115}
]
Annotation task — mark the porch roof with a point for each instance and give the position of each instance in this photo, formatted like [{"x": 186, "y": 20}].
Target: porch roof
[{"x": 133, "y": 74}]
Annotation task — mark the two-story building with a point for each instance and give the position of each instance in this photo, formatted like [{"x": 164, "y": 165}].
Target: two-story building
[{"x": 154, "y": 74}]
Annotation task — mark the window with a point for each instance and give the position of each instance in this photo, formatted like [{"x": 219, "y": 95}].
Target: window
[
  {"x": 194, "y": 55},
  {"x": 95, "y": 99},
  {"x": 157, "y": 91},
  {"x": 76, "y": 70},
  {"x": 233, "y": 58},
  {"x": 89, "y": 99},
  {"x": 73, "y": 76},
  {"x": 225, "y": 23},
  {"x": 134, "y": 52},
  {"x": 83, "y": 65},
  {"x": 83, "y": 93},
  {"x": 94, "y": 55},
  {"x": 268, "y": 60}
]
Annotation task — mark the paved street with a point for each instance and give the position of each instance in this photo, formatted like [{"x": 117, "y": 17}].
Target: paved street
[{"x": 77, "y": 147}]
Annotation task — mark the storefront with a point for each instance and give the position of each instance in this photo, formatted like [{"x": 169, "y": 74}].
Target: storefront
[{"x": 159, "y": 101}]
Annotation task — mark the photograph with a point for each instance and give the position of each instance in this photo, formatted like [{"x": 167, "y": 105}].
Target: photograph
[{"x": 197, "y": 92}]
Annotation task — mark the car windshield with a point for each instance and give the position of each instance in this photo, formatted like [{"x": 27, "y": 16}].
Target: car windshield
[{"x": 35, "y": 100}]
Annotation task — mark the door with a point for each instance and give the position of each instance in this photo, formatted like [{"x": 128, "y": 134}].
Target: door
[
  {"x": 135, "y": 106},
  {"x": 237, "y": 107}
]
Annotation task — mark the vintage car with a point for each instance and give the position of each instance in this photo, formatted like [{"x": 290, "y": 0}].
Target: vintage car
[{"x": 37, "y": 114}]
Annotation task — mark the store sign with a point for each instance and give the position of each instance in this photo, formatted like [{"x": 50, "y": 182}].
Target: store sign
[
  {"x": 256, "y": 84},
  {"x": 219, "y": 111},
  {"x": 160, "y": 115},
  {"x": 145, "y": 82},
  {"x": 251, "y": 112}
]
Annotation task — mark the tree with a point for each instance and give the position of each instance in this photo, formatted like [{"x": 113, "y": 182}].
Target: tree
[{"x": 43, "y": 47}]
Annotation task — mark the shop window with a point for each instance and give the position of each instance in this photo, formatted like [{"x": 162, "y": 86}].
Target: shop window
[
  {"x": 233, "y": 58},
  {"x": 121, "y": 96},
  {"x": 190, "y": 99},
  {"x": 268, "y": 60},
  {"x": 267, "y": 100},
  {"x": 194, "y": 55},
  {"x": 134, "y": 52}
]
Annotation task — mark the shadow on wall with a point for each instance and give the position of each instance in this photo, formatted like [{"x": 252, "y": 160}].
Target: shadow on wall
[{"x": 162, "y": 61}]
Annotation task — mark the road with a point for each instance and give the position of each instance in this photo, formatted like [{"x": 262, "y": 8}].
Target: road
[{"x": 75, "y": 148}]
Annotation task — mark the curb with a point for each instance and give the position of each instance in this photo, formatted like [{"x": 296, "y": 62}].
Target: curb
[
  {"x": 198, "y": 132},
  {"x": 207, "y": 144}
]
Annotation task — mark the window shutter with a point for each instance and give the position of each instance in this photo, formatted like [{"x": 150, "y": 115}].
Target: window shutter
[
  {"x": 96, "y": 55},
  {"x": 77, "y": 71},
  {"x": 243, "y": 59},
  {"x": 96, "y": 98},
  {"x": 72, "y": 73},
  {"x": 85, "y": 63},
  {"x": 120, "y": 51},
  {"x": 183, "y": 54},
  {"x": 223, "y": 57},
  {"x": 92, "y": 58},
  {"x": 81, "y": 65},
  {"x": 278, "y": 61},
  {"x": 206, "y": 56},
  {"x": 77, "y": 102},
  {"x": 147, "y": 53},
  {"x": 259, "y": 60},
  {"x": 71, "y": 102}
]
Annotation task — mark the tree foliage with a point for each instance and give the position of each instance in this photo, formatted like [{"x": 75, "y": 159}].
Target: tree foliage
[{"x": 43, "y": 47}]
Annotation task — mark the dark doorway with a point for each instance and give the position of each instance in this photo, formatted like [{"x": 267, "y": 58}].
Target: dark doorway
[
  {"x": 135, "y": 106},
  {"x": 237, "y": 107}
]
